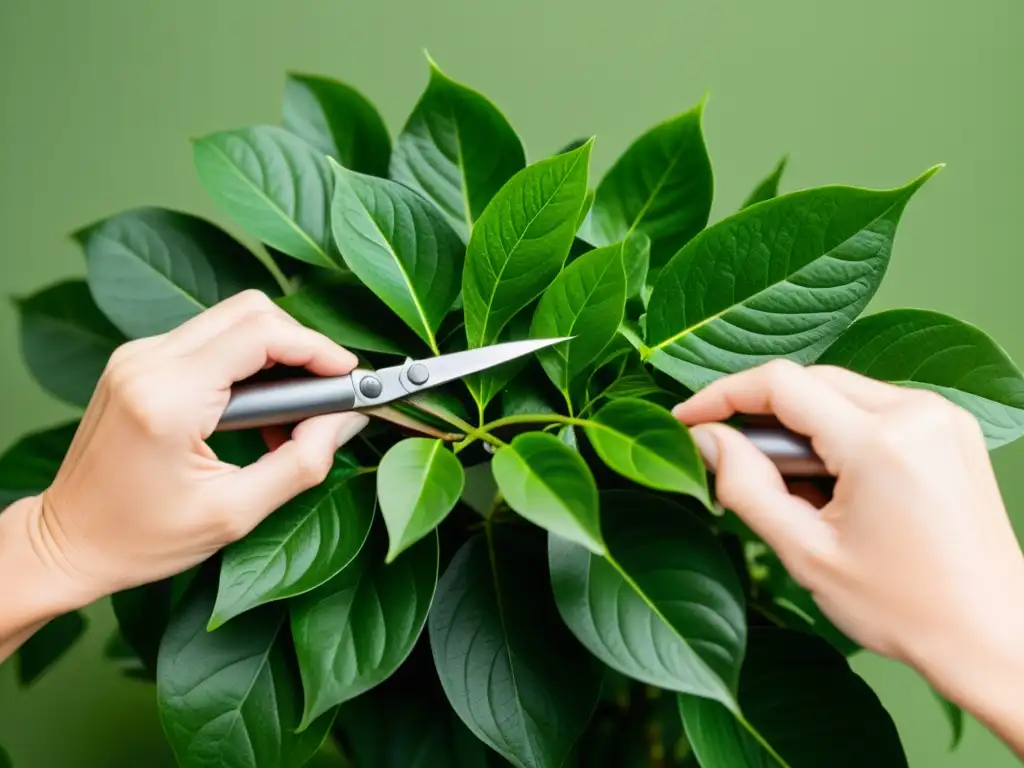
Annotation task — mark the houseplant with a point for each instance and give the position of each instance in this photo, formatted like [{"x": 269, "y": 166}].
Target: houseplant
[{"x": 527, "y": 568}]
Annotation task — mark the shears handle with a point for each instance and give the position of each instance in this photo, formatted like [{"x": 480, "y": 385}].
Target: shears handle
[
  {"x": 791, "y": 453},
  {"x": 272, "y": 403}
]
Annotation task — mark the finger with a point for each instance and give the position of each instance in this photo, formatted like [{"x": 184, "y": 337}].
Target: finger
[
  {"x": 870, "y": 394},
  {"x": 210, "y": 323},
  {"x": 246, "y": 347},
  {"x": 750, "y": 485},
  {"x": 297, "y": 465}
]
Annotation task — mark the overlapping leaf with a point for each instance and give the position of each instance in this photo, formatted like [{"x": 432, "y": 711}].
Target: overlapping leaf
[
  {"x": 768, "y": 188},
  {"x": 49, "y": 643},
  {"x": 29, "y": 465}
]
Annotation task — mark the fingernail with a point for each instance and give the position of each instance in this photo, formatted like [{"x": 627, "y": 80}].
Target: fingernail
[
  {"x": 707, "y": 444},
  {"x": 353, "y": 425}
]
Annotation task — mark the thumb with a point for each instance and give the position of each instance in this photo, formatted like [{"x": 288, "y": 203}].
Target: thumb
[{"x": 749, "y": 484}]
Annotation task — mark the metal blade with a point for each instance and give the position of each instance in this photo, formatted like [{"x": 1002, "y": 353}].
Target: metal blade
[{"x": 446, "y": 368}]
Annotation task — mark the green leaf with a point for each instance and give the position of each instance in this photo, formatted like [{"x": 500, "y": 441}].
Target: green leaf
[
  {"x": 527, "y": 393},
  {"x": 803, "y": 699},
  {"x": 143, "y": 614},
  {"x": 664, "y": 607},
  {"x": 65, "y": 340},
  {"x": 662, "y": 185},
  {"x": 636, "y": 256},
  {"x": 42, "y": 650},
  {"x": 955, "y": 716},
  {"x": 521, "y": 241},
  {"x": 769, "y": 186},
  {"x": 274, "y": 184},
  {"x": 928, "y": 350},
  {"x": 297, "y": 548},
  {"x": 780, "y": 279},
  {"x": 231, "y": 698},
  {"x": 5, "y": 759},
  {"x": 29, "y": 466},
  {"x": 549, "y": 484},
  {"x": 353, "y": 632},
  {"x": 507, "y": 664},
  {"x": 586, "y": 301},
  {"x": 457, "y": 150},
  {"x": 487, "y": 385},
  {"x": 418, "y": 483},
  {"x": 338, "y": 121},
  {"x": 151, "y": 269},
  {"x": 399, "y": 246},
  {"x": 648, "y": 445}
]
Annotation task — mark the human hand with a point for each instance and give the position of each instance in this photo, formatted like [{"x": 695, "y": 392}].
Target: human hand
[
  {"x": 140, "y": 496},
  {"x": 913, "y": 556}
]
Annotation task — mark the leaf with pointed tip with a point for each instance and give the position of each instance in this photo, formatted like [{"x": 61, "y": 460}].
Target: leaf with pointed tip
[
  {"x": 151, "y": 269},
  {"x": 231, "y": 698},
  {"x": 65, "y": 340},
  {"x": 297, "y": 548},
  {"x": 418, "y": 483},
  {"x": 508, "y": 666},
  {"x": 49, "y": 643},
  {"x": 29, "y": 466},
  {"x": 929, "y": 350},
  {"x": 664, "y": 607},
  {"x": 275, "y": 185},
  {"x": 769, "y": 186},
  {"x": 783, "y": 278},
  {"x": 338, "y": 121},
  {"x": 955, "y": 716},
  {"x": 549, "y": 484},
  {"x": 457, "y": 150},
  {"x": 399, "y": 246},
  {"x": 804, "y": 700},
  {"x": 662, "y": 185},
  {"x": 354, "y": 631}
]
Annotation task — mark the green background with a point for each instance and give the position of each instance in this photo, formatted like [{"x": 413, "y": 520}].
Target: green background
[{"x": 99, "y": 97}]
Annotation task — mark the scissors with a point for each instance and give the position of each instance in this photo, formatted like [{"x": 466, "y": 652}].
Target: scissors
[{"x": 271, "y": 403}]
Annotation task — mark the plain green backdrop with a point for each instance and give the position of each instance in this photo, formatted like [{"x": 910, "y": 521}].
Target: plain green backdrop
[{"x": 99, "y": 97}]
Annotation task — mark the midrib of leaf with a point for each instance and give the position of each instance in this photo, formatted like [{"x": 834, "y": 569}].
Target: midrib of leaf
[
  {"x": 133, "y": 253},
  {"x": 761, "y": 740},
  {"x": 78, "y": 330},
  {"x": 462, "y": 172},
  {"x": 572, "y": 326},
  {"x": 426, "y": 475},
  {"x": 270, "y": 203},
  {"x": 654, "y": 193},
  {"x": 635, "y": 445}
]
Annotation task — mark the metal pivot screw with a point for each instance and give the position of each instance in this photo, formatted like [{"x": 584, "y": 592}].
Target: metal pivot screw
[
  {"x": 370, "y": 387},
  {"x": 418, "y": 374}
]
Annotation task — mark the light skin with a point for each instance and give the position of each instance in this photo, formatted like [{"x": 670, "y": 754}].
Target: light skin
[{"x": 913, "y": 556}]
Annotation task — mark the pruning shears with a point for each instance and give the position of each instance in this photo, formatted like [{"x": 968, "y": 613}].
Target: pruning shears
[{"x": 278, "y": 402}]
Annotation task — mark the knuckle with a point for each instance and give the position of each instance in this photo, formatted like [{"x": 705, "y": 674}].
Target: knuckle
[
  {"x": 780, "y": 370},
  {"x": 312, "y": 468},
  {"x": 254, "y": 300},
  {"x": 226, "y": 525}
]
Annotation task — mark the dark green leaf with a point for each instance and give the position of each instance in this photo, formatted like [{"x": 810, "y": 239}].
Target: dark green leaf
[
  {"x": 418, "y": 483},
  {"x": 231, "y": 698},
  {"x": 297, "y": 548},
  {"x": 769, "y": 186},
  {"x": 66, "y": 341},
  {"x": 801, "y": 696},
  {"x": 521, "y": 241},
  {"x": 277, "y": 186},
  {"x": 5, "y": 759},
  {"x": 47, "y": 645},
  {"x": 142, "y": 617},
  {"x": 457, "y": 150},
  {"x": 928, "y": 350},
  {"x": 665, "y": 607},
  {"x": 507, "y": 664},
  {"x": 528, "y": 393},
  {"x": 338, "y": 121},
  {"x": 151, "y": 269},
  {"x": 662, "y": 186},
  {"x": 399, "y": 246},
  {"x": 549, "y": 484},
  {"x": 647, "y": 444},
  {"x": 29, "y": 466},
  {"x": 781, "y": 279},
  {"x": 353, "y": 632},
  {"x": 586, "y": 301},
  {"x": 955, "y": 716}
]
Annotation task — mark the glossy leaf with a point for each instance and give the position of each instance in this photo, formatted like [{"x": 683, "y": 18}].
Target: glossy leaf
[
  {"x": 338, "y": 121},
  {"x": 508, "y": 666},
  {"x": 418, "y": 483},
  {"x": 354, "y": 631},
  {"x": 65, "y": 340},
  {"x": 648, "y": 445},
  {"x": 487, "y": 385},
  {"x": 665, "y": 607},
  {"x": 662, "y": 185},
  {"x": 549, "y": 484},
  {"x": 780, "y": 279},
  {"x": 636, "y": 257},
  {"x": 768, "y": 188},
  {"x": 151, "y": 269},
  {"x": 231, "y": 698},
  {"x": 928, "y": 350},
  {"x": 297, "y": 548},
  {"x": 43, "y": 649},
  {"x": 399, "y": 246},
  {"x": 801, "y": 696},
  {"x": 275, "y": 185},
  {"x": 457, "y": 150},
  {"x": 29, "y": 466},
  {"x": 521, "y": 241},
  {"x": 586, "y": 301}
]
